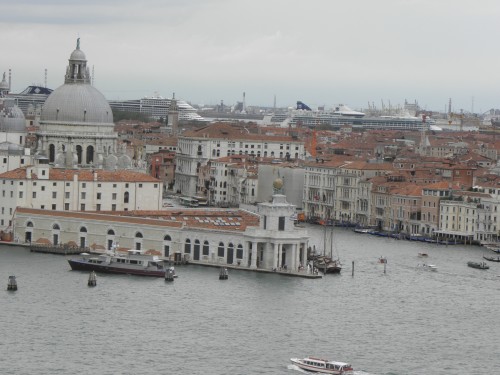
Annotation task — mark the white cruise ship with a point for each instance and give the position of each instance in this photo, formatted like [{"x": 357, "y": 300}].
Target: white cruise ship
[
  {"x": 304, "y": 116},
  {"x": 157, "y": 107}
]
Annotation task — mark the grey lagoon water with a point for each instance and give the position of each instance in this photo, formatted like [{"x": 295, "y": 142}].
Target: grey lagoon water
[{"x": 404, "y": 321}]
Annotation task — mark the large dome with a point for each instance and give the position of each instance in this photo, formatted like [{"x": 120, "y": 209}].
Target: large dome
[{"x": 73, "y": 102}]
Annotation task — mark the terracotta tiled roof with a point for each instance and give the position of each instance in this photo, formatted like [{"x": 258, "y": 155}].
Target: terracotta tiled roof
[
  {"x": 56, "y": 174},
  {"x": 228, "y": 131},
  {"x": 211, "y": 219}
]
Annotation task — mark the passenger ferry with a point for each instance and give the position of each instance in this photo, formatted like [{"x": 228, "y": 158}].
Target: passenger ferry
[
  {"x": 323, "y": 366},
  {"x": 132, "y": 263}
]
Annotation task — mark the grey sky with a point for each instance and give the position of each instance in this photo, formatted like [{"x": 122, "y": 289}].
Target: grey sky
[{"x": 323, "y": 52}]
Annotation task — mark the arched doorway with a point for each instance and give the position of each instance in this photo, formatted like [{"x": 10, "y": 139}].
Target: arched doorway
[
  {"x": 56, "y": 229},
  {"x": 28, "y": 235},
  {"x": 83, "y": 237},
  {"x": 230, "y": 253},
  {"x": 138, "y": 241},
  {"x": 166, "y": 245},
  {"x": 196, "y": 250}
]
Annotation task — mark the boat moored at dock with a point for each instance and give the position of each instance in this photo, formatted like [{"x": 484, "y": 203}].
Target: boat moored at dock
[{"x": 132, "y": 263}]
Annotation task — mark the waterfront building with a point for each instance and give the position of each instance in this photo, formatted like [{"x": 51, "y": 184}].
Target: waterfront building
[
  {"x": 320, "y": 188},
  {"x": 264, "y": 240},
  {"x": 196, "y": 147},
  {"x": 431, "y": 196},
  {"x": 347, "y": 179},
  {"x": 457, "y": 220},
  {"x": 406, "y": 209},
  {"x": 57, "y": 189}
]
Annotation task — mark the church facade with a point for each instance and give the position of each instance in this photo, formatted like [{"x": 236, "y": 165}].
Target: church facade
[{"x": 76, "y": 123}]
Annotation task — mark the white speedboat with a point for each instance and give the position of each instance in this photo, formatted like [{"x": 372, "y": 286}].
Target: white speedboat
[
  {"x": 428, "y": 267},
  {"x": 323, "y": 366}
]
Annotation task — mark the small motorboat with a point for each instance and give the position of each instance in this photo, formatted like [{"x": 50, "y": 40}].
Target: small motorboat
[
  {"x": 428, "y": 267},
  {"x": 478, "y": 265},
  {"x": 382, "y": 260},
  {"x": 423, "y": 255},
  {"x": 323, "y": 366}
]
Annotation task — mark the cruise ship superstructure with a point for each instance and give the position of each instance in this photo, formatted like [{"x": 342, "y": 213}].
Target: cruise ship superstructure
[
  {"x": 156, "y": 107},
  {"x": 304, "y": 116}
]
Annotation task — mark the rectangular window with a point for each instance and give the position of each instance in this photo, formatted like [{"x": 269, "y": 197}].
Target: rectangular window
[
  {"x": 66, "y": 206},
  {"x": 53, "y": 207},
  {"x": 43, "y": 188},
  {"x": 113, "y": 207},
  {"x": 83, "y": 195},
  {"x": 54, "y": 195},
  {"x": 20, "y": 194},
  {"x": 99, "y": 196},
  {"x": 34, "y": 194},
  {"x": 98, "y": 207},
  {"x": 82, "y": 207},
  {"x": 281, "y": 223},
  {"x": 113, "y": 196},
  {"x": 66, "y": 195},
  {"x": 84, "y": 184}
]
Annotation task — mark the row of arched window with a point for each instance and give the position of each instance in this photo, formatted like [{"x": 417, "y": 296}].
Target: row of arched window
[{"x": 197, "y": 246}]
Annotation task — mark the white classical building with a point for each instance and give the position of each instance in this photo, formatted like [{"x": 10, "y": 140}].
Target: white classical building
[
  {"x": 76, "y": 123},
  {"x": 197, "y": 147},
  {"x": 57, "y": 189},
  {"x": 266, "y": 240}
]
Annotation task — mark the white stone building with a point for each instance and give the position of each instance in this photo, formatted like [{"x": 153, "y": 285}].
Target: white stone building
[
  {"x": 197, "y": 147},
  {"x": 55, "y": 189},
  {"x": 267, "y": 240}
]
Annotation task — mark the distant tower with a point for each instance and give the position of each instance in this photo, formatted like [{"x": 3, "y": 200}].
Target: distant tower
[
  {"x": 244, "y": 107},
  {"x": 45, "y": 81},
  {"x": 4, "y": 87},
  {"x": 449, "y": 106},
  {"x": 173, "y": 116},
  {"x": 10, "y": 80}
]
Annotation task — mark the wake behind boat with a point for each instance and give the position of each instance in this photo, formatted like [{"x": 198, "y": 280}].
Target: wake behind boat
[
  {"x": 132, "y": 263},
  {"x": 323, "y": 366}
]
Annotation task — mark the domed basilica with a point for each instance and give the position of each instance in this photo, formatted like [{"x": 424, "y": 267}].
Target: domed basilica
[{"x": 76, "y": 123}]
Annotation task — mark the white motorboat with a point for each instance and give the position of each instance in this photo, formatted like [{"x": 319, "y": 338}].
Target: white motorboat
[
  {"x": 428, "y": 267},
  {"x": 323, "y": 366}
]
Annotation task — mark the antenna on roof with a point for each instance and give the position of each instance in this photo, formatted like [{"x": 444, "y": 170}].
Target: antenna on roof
[{"x": 45, "y": 82}]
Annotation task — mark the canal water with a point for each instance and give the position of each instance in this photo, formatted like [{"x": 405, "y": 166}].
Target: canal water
[{"x": 403, "y": 321}]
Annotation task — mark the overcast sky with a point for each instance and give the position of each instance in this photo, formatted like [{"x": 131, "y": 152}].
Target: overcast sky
[{"x": 323, "y": 52}]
